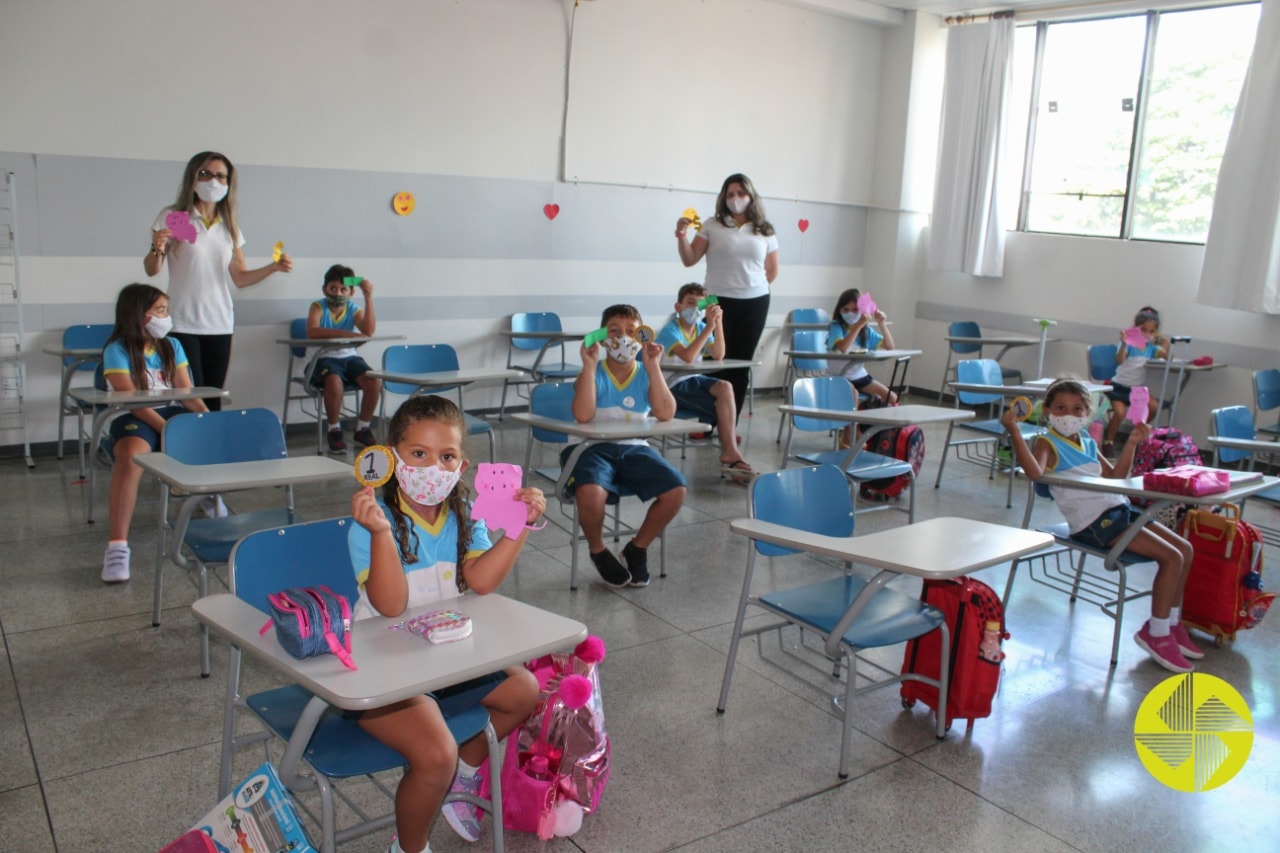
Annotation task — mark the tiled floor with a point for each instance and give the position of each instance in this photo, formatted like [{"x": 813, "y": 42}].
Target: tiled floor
[{"x": 109, "y": 740}]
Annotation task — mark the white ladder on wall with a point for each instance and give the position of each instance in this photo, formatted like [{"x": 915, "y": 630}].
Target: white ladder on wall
[{"x": 13, "y": 369}]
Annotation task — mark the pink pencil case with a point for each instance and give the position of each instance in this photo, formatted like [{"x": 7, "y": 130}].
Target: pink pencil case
[
  {"x": 441, "y": 626},
  {"x": 1187, "y": 480}
]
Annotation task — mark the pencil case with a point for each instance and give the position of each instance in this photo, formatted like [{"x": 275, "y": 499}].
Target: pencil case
[{"x": 441, "y": 626}]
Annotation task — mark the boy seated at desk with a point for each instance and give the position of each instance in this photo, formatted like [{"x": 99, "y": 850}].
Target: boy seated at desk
[
  {"x": 336, "y": 317},
  {"x": 621, "y": 388},
  {"x": 689, "y": 336}
]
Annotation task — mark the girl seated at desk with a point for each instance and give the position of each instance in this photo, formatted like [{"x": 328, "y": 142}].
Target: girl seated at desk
[
  {"x": 1098, "y": 519},
  {"x": 416, "y": 545},
  {"x": 851, "y": 330},
  {"x": 138, "y": 356}
]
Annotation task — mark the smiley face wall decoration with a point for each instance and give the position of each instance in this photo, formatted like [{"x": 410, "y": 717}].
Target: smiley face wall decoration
[{"x": 402, "y": 203}]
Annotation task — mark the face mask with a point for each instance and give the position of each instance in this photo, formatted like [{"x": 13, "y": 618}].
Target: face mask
[
  {"x": 1068, "y": 425},
  {"x": 737, "y": 204},
  {"x": 623, "y": 350},
  {"x": 158, "y": 327},
  {"x": 690, "y": 316},
  {"x": 429, "y": 485},
  {"x": 336, "y": 301},
  {"x": 851, "y": 317},
  {"x": 211, "y": 191}
]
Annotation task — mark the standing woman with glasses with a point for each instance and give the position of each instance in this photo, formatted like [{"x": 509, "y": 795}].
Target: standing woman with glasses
[
  {"x": 742, "y": 261},
  {"x": 204, "y": 264}
]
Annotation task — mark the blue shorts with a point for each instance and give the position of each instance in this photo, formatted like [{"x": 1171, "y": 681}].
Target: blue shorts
[
  {"x": 694, "y": 399},
  {"x": 1104, "y": 529},
  {"x": 130, "y": 426},
  {"x": 1118, "y": 393},
  {"x": 350, "y": 369},
  {"x": 862, "y": 382},
  {"x": 456, "y": 697},
  {"x": 635, "y": 467}
]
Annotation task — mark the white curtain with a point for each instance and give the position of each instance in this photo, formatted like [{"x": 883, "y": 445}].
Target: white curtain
[
  {"x": 966, "y": 233},
  {"x": 1242, "y": 253}
]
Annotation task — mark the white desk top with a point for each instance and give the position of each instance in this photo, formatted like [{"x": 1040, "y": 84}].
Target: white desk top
[
  {"x": 1032, "y": 388},
  {"x": 709, "y": 365},
  {"x": 914, "y": 413},
  {"x": 613, "y": 430},
  {"x": 353, "y": 341},
  {"x": 147, "y": 397},
  {"x": 1256, "y": 445},
  {"x": 396, "y": 664},
  {"x": 1181, "y": 364},
  {"x": 235, "y": 476},
  {"x": 934, "y": 549},
  {"x": 447, "y": 378},
  {"x": 550, "y": 336},
  {"x": 73, "y": 352},
  {"x": 855, "y": 355},
  {"x": 999, "y": 340},
  {"x": 1132, "y": 487}
]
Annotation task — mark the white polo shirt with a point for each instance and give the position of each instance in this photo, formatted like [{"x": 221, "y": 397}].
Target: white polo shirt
[
  {"x": 200, "y": 278},
  {"x": 735, "y": 260}
]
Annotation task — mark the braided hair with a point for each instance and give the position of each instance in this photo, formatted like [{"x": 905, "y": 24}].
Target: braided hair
[{"x": 433, "y": 408}]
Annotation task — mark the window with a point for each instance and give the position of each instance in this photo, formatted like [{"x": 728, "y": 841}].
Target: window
[{"x": 1130, "y": 116}]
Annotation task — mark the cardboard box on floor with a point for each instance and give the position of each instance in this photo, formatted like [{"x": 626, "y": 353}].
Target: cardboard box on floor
[{"x": 257, "y": 816}]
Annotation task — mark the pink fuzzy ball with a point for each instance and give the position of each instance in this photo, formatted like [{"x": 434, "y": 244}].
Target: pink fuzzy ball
[
  {"x": 575, "y": 691},
  {"x": 590, "y": 650},
  {"x": 544, "y": 675}
]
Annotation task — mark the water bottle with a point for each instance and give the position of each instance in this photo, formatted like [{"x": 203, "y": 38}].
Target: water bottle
[{"x": 989, "y": 646}]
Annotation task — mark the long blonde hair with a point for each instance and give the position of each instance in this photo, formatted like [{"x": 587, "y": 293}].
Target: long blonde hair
[{"x": 187, "y": 193}]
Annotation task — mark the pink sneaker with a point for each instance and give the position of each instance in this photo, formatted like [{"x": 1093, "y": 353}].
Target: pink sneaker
[
  {"x": 1163, "y": 650},
  {"x": 1185, "y": 644}
]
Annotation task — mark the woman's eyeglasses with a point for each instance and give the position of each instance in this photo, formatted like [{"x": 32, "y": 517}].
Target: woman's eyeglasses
[{"x": 206, "y": 175}]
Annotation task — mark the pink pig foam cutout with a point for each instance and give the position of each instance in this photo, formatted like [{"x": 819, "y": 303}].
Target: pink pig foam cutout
[
  {"x": 1135, "y": 337},
  {"x": 866, "y": 305},
  {"x": 180, "y": 224},
  {"x": 1139, "y": 399},
  {"x": 494, "y": 503}
]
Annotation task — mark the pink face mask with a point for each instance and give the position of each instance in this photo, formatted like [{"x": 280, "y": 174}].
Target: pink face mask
[{"x": 429, "y": 485}]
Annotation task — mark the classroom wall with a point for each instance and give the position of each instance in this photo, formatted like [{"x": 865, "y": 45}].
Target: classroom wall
[{"x": 328, "y": 108}]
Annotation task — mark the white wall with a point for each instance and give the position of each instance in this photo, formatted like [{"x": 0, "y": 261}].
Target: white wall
[{"x": 329, "y": 107}]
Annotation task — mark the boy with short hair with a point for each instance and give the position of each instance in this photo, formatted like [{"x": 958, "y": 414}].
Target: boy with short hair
[
  {"x": 337, "y": 317},
  {"x": 617, "y": 388},
  {"x": 689, "y": 337}
]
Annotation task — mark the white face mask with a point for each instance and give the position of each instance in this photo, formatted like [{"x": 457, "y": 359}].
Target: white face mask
[
  {"x": 691, "y": 315},
  {"x": 158, "y": 327},
  {"x": 851, "y": 317},
  {"x": 1068, "y": 425},
  {"x": 623, "y": 349},
  {"x": 429, "y": 485},
  {"x": 211, "y": 191},
  {"x": 737, "y": 204}
]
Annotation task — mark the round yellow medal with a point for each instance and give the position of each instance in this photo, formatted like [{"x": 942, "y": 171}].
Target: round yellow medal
[{"x": 374, "y": 465}]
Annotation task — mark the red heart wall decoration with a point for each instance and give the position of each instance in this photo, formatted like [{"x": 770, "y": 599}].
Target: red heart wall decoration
[
  {"x": 803, "y": 225},
  {"x": 551, "y": 211}
]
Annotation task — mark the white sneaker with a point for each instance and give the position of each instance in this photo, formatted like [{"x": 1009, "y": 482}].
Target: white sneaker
[
  {"x": 115, "y": 563},
  {"x": 213, "y": 507}
]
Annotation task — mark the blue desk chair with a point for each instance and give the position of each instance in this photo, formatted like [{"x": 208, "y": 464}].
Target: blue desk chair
[
  {"x": 1109, "y": 592},
  {"x": 1266, "y": 399},
  {"x": 303, "y": 364},
  {"x": 1237, "y": 422},
  {"x": 538, "y": 370},
  {"x": 804, "y": 340},
  {"x": 1102, "y": 362},
  {"x": 970, "y": 329},
  {"x": 555, "y": 400},
  {"x": 835, "y": 392},
  {"x": 193, "y": 544},
  {"x": 983, "y": 371},
  {"x": 849, "y": 613},
  {"x": 428, "y": 358},
  {"x": 79, "y": 337},
  {"x": 316, "y": 554}
]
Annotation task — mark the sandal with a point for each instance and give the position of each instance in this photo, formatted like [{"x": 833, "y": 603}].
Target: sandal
[{"x": 739, "y": 472}]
